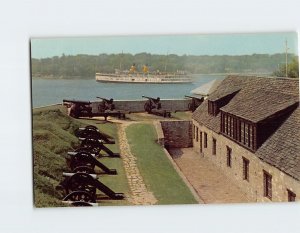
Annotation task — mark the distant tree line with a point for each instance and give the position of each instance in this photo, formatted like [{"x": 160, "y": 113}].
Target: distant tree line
[{"x": 85, "y": 66}]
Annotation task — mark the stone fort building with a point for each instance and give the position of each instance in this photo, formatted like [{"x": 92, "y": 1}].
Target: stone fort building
[{"x": 249, "y": 127}]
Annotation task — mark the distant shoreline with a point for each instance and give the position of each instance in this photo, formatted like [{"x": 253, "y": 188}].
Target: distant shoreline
[{"x": 50, "y": 77}]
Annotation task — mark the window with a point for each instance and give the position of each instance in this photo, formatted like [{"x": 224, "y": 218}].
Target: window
[
  {"x": 242, "y": 132},
  {"x": 228, "y": 156},
  {"x": 291, "y": 196},
  {"x": 231, "y": 126},
  {"x": 194, "y": 128},
  {"x": 245, "y": 169},
  {"x": 214, "y": 146},
  {"x": 212, "y": 108},
  {"x": 225, "y": 124},
  {"x": 246, "y": 134},
  {"x": 250, "y": 136},
  {"x": 200, "y": 141},
  {"x": 239, "y": 130},
  {"x": 205, "y": 140},
  {"x": 267, "y": 185},
  {"x": 197, "y": 134}
]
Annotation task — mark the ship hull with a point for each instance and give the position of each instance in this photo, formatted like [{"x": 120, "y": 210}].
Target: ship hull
[{"x": 152, "y": 79}]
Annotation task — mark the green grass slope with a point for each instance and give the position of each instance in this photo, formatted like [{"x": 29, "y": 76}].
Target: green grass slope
[{"x": 53, "y": 135}]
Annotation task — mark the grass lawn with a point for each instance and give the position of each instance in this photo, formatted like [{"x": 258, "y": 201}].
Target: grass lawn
[
  {"x": 150, "y": 117},
  {"x": 158, "y": 173}
]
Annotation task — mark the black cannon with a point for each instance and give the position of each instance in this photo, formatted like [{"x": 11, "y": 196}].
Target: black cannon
[
  {"x": 106, "y": 104},
  {"x": 82, "y": 187},
  {"x": 78, "y": 108},
  {"x": 153, "y": 106},
  {"x": 107, "y": 108},
  {"x": 195, "y": 102},
  {"x": 94, "y": 146},
  {"x": 91, "y": 131},
  {"x": 86, "y": 162}
]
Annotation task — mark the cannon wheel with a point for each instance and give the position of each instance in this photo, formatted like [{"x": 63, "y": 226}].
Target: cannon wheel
[
  {"x": 83, "y": 159},
  {"x": 83, "y": 169},
  {"x": 112, "y": 107},
  {"x": 91, "y": 146},
  {"x": 81, "y": 182},
  {"x": 91, "y": 127},
  {"x": 158, "y": 105},
  {"x": 147, "y": 107},
  {"x": 93, "y": 149},
  {"x": 80, "y": 196}
]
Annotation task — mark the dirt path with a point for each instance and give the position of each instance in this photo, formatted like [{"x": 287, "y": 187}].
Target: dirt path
[{"x": 140, "y": 194}]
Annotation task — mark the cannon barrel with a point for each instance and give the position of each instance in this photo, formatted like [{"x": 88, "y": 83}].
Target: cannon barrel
[
  {"x": 193, "y": 97},
  {"x": 106, "y": 100},
  {"x": 187, "y": 96},
  {"x": 98, "y": 97},
  {"x": 76, "y": 101},
  {"x": 147, "y": 97},
  {"x": 69, "y": 174}
]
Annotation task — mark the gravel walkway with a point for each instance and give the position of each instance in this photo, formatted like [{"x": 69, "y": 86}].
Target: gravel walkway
[{"x": 140, "y": 194}]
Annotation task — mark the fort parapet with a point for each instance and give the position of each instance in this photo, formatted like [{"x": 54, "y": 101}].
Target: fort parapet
[{"x": 138, "y": 105}]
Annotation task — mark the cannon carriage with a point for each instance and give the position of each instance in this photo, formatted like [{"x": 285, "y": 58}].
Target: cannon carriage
[
  {"x": 86, "y": 162},
  {"x": 153, "y": 106},
  {"x": 91, "y": 131},
  {"x": 81, "y": 186},
  {"x": 95, "y": 146},
  {"x": 196, "y": 102},
  {"x": 107, "y": 108},
  {"x": 81, "y": 189},
  {"x": 78, "y": 108}
]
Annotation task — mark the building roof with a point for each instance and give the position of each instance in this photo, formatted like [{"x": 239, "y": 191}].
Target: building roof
[
  {"x": 256, "y": 105},
  {"x": 282, "y": 149},
  {"x": 201, "y": 115},
  {"x": 207, "y": 88},
  {"x": 234, "y": 83},
  {"x": 258, "y": 98}
]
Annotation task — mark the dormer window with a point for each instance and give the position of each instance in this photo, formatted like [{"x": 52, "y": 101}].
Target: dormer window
[
  {"x": 215, "y": 105},
  {"x": 213, "y": 108},
  {"x": 240, "y": 130}
]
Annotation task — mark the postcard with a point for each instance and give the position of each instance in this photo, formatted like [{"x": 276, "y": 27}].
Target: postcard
[{"x": 165, "y": 119}]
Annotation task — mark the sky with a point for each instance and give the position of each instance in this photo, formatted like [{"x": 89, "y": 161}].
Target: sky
[{"x": 201, "y": 44}]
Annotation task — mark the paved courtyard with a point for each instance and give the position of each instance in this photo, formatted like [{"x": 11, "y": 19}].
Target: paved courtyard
[{"x": 210, "y": 183}]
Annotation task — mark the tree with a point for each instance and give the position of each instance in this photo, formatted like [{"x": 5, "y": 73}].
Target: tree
[{"x": 292, "y": 69}]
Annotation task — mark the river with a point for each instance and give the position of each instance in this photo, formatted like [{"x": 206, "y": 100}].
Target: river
[{"x": 46, "y": 91}]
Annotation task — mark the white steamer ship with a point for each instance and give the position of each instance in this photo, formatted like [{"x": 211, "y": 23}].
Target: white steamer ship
[{"x": 132, "y": 76}]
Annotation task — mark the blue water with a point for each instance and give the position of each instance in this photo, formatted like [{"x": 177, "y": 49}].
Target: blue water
[{"x": 46, "y": 92}]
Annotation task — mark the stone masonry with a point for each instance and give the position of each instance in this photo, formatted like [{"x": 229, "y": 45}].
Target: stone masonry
[
  {"x": 254, "y": 186},
  {"x": 177, "y": 134}
]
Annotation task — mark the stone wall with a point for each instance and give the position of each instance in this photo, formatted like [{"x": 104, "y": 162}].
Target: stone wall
[
  {"x": 138, "y": 105},
  {"x": 281, "y": 182},
  {"x": 177, "y": 134}
]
